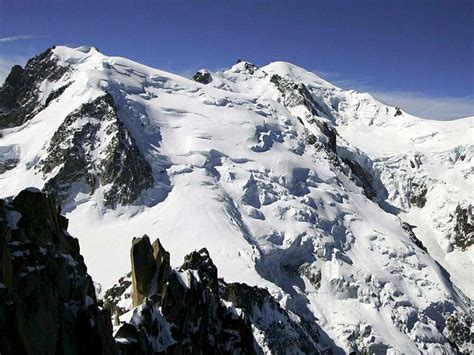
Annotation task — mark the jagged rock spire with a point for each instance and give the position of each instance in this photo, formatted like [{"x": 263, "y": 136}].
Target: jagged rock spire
[
  {"x": 188, "y": 310},
  {"x": 47, "y": 300},
  {"x": 202, "y": 76},
  {"x": 143, "y": 268},
  {"x": 162, "y": 260}
]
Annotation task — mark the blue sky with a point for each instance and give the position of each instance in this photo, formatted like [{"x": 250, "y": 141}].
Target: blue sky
[{"x": 417, "y": 54}]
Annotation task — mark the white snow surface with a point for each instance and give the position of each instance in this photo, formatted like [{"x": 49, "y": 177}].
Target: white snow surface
[{"x": 246, "y": 186}]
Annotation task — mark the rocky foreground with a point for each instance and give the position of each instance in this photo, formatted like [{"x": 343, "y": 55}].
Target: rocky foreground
[{"x": 48, "y": 302}]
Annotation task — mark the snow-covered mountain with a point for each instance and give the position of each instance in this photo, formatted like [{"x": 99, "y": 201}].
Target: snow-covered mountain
[{"x": 356, "y": 216}]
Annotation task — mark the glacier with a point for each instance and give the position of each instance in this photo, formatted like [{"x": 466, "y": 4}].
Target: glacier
[{"x": 347, "y": 210}]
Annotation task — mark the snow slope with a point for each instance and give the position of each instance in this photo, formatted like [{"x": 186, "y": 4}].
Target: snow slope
[
  {"x": 403, "y": 150},
  {"x": 244, "y": 167}
]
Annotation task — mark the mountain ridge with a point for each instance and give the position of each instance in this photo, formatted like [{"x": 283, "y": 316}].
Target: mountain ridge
[{"x": 282, "y": 176}]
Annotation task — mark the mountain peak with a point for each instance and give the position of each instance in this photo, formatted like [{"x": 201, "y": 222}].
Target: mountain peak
[
  {"x": 69, "y": 55},
  {"x": 289, "y": 182},
  {"x": 295, "y": 72},
  {"x": 242, "y": 66}
]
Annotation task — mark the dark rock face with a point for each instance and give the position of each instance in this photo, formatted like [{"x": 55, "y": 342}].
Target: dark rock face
[
  {"x": 20, "y": 93},
  {"x": 92, "y": 146},
  {"x": 311, "y": 139},
  {"x": 143, "y": 268},
  {"x": 409, "y": 230},
  {"x": 201, "y": 323},
  {"x": 458, "y": 330},
  {"x": 245, "y": 297},
  {"x": 47, "y": 299},
  {"x": 48, "y": 303},
  {"x": 295, "y": 94},
  {"x": 248, "y": 67},
  {"x": 189, "y": 310},
  {"x": 329, "y": 132},
  {"x": 163, "y": 267},
  {"x": 202, "y": 77},
  {"x": 464, "y": 227},
  {"x": 201, "y": 261},
  {"x": 150, "y": 269},
  {"x": 364, "y": 178},
  {"x": 182, "y": 306},
  {"x": 112, "y": 295},
  {"x": 251, "y": 68},
  {"x": 282, "y": 334},
  {"x": 418, "y": 194},
  {"x": 313, "y": 276},
  {"x": 55, "y": 94}
]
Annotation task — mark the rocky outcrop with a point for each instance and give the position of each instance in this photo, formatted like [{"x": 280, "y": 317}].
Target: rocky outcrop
[
  {"x": 93, "y": 147},
  {"x": 281, "y": 333},
  {"x": 418, "y": 194},
  {"x": 329, "y": 132},
  {"x": 295, "y": 94},
  {"x": 149, "y": 263},
  {"x": 409, "y": 230},
  {"x": 463, "y": 232},
  {"x": 181, "y": 310},
  {"x": 163, "y": 267},
  {"x": 19, "y": 95},
  {"x": 47, "y": 300},
  {"x": 189, "y": 310},
  {"x": 459, "y": 331},
  {"x": 55, "y": 94},
  {"x": 362, "y": 177},
  {"x": 118, "y": 298},
  {"x": 248, "y": 67},
  {"x": 143, "y": 268},
  {"x": 251, "y": 68},
  {"x": 202, "y": 76},
  {"x": 201, "y": 261}
]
